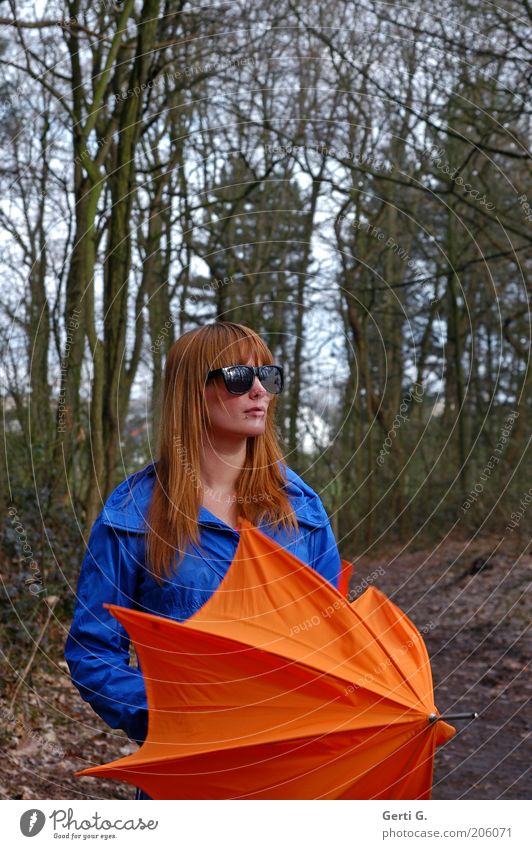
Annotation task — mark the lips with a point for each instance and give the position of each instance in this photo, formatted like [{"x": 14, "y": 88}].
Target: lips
[{"x": 256, "y": 410}]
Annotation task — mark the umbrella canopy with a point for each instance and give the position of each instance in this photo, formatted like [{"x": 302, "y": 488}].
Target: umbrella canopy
[{"x": 278, "y": 688}]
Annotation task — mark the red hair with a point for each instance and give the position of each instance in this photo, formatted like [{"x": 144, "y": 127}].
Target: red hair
[{"x": 177, "y": 495}]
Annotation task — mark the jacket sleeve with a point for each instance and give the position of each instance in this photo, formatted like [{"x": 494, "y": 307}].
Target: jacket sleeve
[
  {"x": 325, "y": 555},
  {"x": 97, "y": 647}
]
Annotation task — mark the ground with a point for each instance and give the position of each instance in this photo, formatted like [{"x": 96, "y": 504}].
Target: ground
[{"x": 467, "y": 597}]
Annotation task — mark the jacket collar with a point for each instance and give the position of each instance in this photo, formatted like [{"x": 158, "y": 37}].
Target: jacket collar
[{"x": 127, "y": 506}]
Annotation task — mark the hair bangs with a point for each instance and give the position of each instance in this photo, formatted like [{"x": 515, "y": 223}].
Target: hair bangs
[{"x": 235, "y": 344}]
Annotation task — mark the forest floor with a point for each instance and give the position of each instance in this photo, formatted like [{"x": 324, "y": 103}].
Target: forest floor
[{"x": 469, "y": 599}]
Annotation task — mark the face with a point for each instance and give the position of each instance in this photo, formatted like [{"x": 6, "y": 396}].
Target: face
[{"x": 233, "y": 415}]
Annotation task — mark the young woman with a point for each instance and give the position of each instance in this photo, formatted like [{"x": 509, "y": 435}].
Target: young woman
[{"x": 168, "y": 533}]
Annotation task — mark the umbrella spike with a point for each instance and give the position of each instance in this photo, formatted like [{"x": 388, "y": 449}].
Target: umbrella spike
[{"x": 433, "y": 717}]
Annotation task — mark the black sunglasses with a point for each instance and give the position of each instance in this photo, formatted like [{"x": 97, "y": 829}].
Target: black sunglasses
[{"x": 239, "y": 379}]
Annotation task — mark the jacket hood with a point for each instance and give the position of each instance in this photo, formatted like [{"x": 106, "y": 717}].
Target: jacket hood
[{"x": 127, "y": 506}]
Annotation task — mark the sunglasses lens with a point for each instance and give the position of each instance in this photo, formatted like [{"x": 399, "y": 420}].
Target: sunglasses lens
[
  {"x": 239, "y": 379},
  {"x": 271, "y": 378}
]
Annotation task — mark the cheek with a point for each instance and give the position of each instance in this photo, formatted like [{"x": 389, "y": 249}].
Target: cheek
[{"x": 225, "y": 407}]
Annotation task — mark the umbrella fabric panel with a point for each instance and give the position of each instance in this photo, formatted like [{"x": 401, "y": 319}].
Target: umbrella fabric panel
[{"x": 403, "y": 643}]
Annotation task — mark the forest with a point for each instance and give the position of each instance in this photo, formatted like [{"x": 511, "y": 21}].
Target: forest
[{"x": 352, "y": 181}]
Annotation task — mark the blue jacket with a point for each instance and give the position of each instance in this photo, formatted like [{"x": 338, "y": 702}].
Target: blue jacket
[{"x": 114, "y": 571}]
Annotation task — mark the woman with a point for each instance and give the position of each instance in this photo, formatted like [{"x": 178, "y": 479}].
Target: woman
[{"x": 167, "y": 535}]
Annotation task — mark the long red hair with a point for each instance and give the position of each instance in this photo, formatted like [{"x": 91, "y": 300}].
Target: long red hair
[{"x": 177, "y": 495}]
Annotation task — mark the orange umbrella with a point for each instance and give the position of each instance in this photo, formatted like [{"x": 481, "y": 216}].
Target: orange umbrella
[{"x": 278, "y": 688}]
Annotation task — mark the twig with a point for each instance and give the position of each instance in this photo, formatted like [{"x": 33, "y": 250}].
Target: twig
[{"x": 51, "y": 601}]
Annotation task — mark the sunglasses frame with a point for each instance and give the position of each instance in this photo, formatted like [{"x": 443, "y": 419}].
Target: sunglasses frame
[{"x": 256, "y": 369}]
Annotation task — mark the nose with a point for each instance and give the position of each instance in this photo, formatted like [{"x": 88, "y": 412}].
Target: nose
[{"x": 257, "y": 388}]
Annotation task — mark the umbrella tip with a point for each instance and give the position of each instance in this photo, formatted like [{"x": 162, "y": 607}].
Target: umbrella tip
[{"x": 433, "y": 717}]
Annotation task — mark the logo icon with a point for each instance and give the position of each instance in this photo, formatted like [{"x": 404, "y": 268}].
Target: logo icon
[{"x": 32, "y": 822}]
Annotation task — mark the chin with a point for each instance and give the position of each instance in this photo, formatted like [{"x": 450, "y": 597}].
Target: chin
[
  {"x": 255, "y": 431},
  {"x": 243, "y": 432}
]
